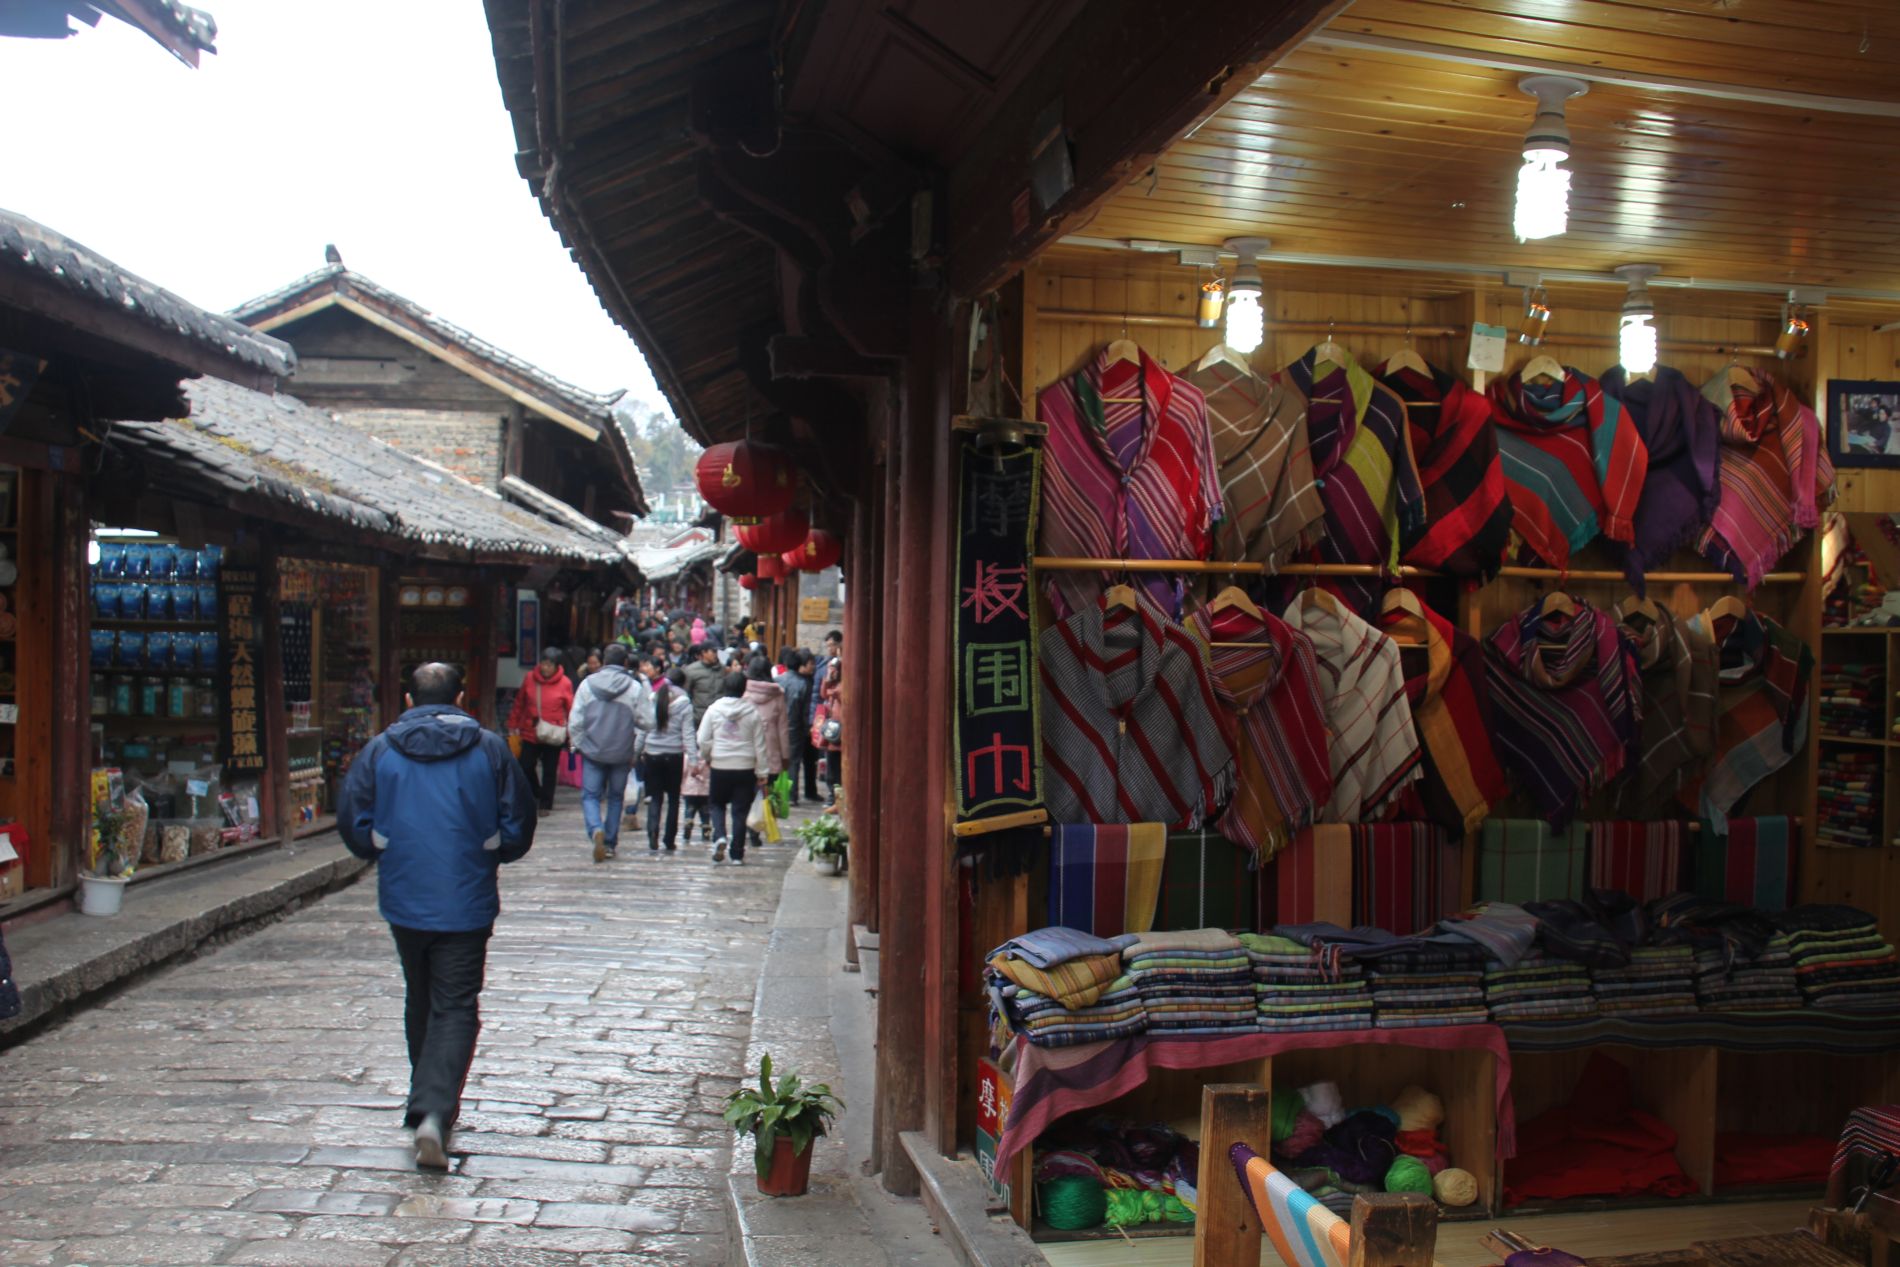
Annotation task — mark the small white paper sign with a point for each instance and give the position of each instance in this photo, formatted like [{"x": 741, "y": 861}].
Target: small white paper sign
[
  {"x": 250, "y": 808},
  {"x": 196, "y": 787},
  {"x": 1487, "y": 348},
  {"x": 9, "y": 714},
  {"x": 7, "y": 852}
]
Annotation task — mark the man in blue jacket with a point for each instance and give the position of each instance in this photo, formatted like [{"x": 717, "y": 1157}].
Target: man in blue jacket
[{"x": 440, "y": 804}]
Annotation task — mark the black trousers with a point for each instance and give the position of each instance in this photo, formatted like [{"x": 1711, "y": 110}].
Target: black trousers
[
  {"x": 663, "y": 773},
  {"x": 542, "y": 763},
  {"x": 441, "y": 1015},
  {"x": 732, "y": 793},
  {"x": 804, "y": 765}
]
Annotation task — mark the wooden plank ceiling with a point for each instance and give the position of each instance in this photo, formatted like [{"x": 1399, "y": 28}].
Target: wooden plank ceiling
[{"x": 1384, "y": 153}]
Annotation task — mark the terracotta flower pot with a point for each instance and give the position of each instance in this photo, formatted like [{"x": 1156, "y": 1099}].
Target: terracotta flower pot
[{"x": 791, "y": 1172}]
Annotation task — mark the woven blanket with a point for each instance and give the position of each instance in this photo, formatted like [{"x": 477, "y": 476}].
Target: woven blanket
[
  {"x": 1644, "y": 859},
  {"x": 1406, "y": 876},
  {"x": 1527, "y": 860},
  {"x": 1105, "y": 880},
  {"x": 1752, "y": 865}
]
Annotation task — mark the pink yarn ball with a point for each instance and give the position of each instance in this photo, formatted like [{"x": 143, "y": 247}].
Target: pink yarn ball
[
  {"x": 1435, "y": 1163},
  {"x": 1308, "y": 1131}
]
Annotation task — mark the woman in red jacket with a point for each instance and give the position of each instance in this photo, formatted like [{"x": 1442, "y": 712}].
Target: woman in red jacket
[{"x": 539, "y": 720}]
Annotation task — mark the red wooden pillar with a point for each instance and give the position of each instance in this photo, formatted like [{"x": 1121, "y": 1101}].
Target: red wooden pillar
[
  {"x": 862, "y": 763},
  {"x": 69, "y": 820}
]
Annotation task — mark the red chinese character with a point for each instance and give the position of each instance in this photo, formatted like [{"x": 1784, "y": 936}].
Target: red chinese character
[{"x": 996, "y": 591}]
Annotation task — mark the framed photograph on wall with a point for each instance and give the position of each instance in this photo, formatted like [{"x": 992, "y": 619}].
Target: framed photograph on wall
[{"x": 1863, "y": 423}]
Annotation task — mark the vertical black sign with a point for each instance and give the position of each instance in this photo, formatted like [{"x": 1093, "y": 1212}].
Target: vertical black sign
[{"x": 238, "y": 631}]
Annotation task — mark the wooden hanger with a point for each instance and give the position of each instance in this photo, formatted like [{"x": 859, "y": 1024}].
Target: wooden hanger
[
  {"x": 1119, "y": 351},
  {"x": 1543, "y": 365},
  {"x": 1727, "y": 607},
  {"x": 1234, "y": 596},
  {"x": 1119, "y": 596},
  {"x": 1557, "y": 601},
  {"x": 1401, "y": 599},
  {"x": 1220, "y": 353},
  {"x": 1329, "y": 350},
  {"x": 1634, "y": 606},
  {"x": 1407, "y": 358}
]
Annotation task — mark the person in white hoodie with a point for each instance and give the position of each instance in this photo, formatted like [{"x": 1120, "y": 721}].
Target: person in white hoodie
[
  {"x": 732, "y": 738},
  {"x": 666, "y": 751}
]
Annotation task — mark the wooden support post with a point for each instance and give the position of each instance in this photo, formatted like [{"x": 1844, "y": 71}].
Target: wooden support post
[
  {"x": 273, "y": 715},
  {"x": 862, "y": 612},
  {"x": 69, "y": 819},
  {"x": 482, "y": 650},
  {"x": 1227, "y": 1232},
  {"x": 1394, "y": 1229},
  {"x": 389, "y": 683}
]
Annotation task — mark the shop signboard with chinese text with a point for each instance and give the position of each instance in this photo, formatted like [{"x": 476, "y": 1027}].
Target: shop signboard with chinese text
[{"x": 238, "y": 631}]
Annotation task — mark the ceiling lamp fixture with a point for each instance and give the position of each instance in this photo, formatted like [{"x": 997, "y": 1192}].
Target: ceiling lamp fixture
[
  {"x": 1246, "y": 322},
  {"x": 1543, "y": 188},
  {"x": 1636, "y": 337}
]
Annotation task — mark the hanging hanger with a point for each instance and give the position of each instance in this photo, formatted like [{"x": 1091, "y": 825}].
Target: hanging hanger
[
  {"x": 1407, "y": 358},
  {"x": 1633, "y": 606},
  {"x": 1219, "y": 354},
  {"x": 1234, "y": 596},
  {"x": 1119, "y": 595},
  {"x": 1543, "y": 365},
  {"x": 1400, "y": 599},
  {"x": 1557, "y": 601},
  {"x": 1329, "y": 350},
  {"x": 1727, "y": 607}
]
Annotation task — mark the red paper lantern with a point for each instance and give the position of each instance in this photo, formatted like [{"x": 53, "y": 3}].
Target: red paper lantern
[
  {"x": 821, "y": 550},
  {"x": 771, "y": 567},
  {"x": 747, "y": 580},
  {"x": 746, "y": 480},
  {"x": 775, "y": 534}
]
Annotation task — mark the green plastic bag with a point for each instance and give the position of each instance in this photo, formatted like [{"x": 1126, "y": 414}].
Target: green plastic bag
[{"x": 781, "y": 794}]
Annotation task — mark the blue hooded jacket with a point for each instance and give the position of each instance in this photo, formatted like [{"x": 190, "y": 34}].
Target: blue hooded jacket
[{"x": 440, "y": 804}]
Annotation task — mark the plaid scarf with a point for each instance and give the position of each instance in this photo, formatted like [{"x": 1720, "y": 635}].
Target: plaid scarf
[
  {"x": 1467, "y": 511},
  {"x": 1270, "y": 689},
  {"x": 1775, "y": 471},
  {"x": 1564, "y": 697},
  {"x": 1461, "y": 777},
  {"x": 1271, "y": 503},
  {"x": 1128, "y": 473},
  {"x": 1681, "y": 433},
  {"x": 1677, "y": 662},
  {"x": 1371, "y": 741},
  {"x": 1525, "y": 860},
  {"x": 1130, "y": 728},
  {"x": 1762, "y": 714},
  {"x": 1572, "y": 461}
]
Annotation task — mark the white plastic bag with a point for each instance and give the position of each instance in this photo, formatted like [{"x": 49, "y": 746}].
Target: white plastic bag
[{"x": 756, "y": 819}]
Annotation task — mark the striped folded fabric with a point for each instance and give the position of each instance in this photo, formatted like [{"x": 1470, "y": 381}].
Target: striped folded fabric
[
  {"x": 1076, "y": 983},
  {"x": 1405, "y": 876},
  {"x": 1105, "y": 879},
  {"x": 1207, "y": 881},
  {"x": 1841, "y": 961},
  {"x": 1752, "y": 864},
  {"x": 1643, "y": 859}
]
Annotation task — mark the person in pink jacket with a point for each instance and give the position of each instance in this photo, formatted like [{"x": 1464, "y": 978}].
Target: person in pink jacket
[{"x": 768, "y": 700}]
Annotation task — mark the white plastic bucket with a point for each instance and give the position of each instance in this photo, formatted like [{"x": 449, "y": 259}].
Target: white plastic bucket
[{"x": 101, "y": 894}]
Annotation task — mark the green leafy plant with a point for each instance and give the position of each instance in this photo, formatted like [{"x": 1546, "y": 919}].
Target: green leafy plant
[
  {"x": 790, "y": 1107},
  {"x": 823, "y": 836},
  {"x": 109, "y": 818}
]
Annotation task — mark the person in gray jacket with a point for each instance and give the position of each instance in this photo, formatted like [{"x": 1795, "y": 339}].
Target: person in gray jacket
[
  {"x": 610, "y": 710},
  {"x": 665, "y": 752},
  {"x": 705, "y": 676}
]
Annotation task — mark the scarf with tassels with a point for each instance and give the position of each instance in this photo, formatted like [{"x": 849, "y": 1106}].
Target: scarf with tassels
[
  {"x": 1572, "y": 461},
  {"x": 1371, "y": 741},
  {"x": 1467, "y": 525},
  {"x": 1130, "y": 725},
  {"x": 1271, "y": 506},
  {"x": 1270, "y": 690},
  {"x": 1775, "y": 475},
  {"x": 1566, "y": 703},
  {"x": 1681, "y": 432},
  {"x": 1677, "y": 663},
  {"x": 1453, "y": 715},
  {"x": 1762, "y": 714}
]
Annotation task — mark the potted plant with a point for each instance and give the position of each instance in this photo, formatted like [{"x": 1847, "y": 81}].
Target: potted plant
[
  {"x": 825, "y": 837},
  {"x": 783, "y": 1118},
  {"x": 102, "y": 890}
]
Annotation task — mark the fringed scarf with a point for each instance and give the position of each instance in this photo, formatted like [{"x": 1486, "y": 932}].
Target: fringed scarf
[
  {"x": 1762, "y": 714},
  {"x": 1681, "y": 431},
  {"x": 1453, "y": 715},
  {"x": 1467, "y": 510},
  {"x": 1130, "y": 729},
  {"x": 1677, "y": 663},
  {"x": 1270, "y": 690},
  {"x": 1371, "y": 742},
  {"x": 1572, "y": 461},
  {"x": 1775, "y": 475},
  {"x": 1565, "y": 701},
  {"x": 1271, "y": 506}
]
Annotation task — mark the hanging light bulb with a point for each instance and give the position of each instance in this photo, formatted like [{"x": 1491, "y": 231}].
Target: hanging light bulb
[
  {"x": 1246, "y": 322},
  {"x": 1636, "y": 336},
  {"x": 1543, "y": 187}
]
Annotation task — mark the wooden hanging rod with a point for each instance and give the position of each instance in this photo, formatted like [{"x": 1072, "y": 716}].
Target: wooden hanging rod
[{"x": 1053, "y": 563}]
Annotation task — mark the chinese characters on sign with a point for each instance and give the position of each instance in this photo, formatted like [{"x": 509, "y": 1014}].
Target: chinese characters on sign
[
  {"x": 997, "y": 732},
  {"x": 238, "y": 587}
]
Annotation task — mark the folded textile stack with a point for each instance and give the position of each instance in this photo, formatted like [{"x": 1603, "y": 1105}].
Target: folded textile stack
[
  {"x": 1296, "y": 988},
  {"x": 1539, "y": 988},
  {"x": 1058, "y": 987},
  {"x": 1657, "y": 981},
  {"x": 1764, "y": 983},
  {"x": 1433, "y": 983},
  {"x": 1840, "y": 958},
  {"x": 1198, "y": 982},
  {"x": 1851, "y": 700},
  {"x": 1046, "y": 1022},
  {"x": 1846, "y": 795}
]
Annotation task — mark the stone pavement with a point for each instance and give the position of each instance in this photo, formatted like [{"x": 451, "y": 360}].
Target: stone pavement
[{"x": 244, "y": 1107}]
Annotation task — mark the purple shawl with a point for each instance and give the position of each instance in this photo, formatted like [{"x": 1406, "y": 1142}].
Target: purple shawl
[{"x": 1683, "y": 434}]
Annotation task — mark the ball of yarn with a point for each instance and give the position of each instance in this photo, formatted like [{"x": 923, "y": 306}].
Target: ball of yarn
[
  {"x": 1408, "y": 1174},
  {"x": 1324, "y": 1102},
  {"x": 1436, "y": 1163},
  {"x": 1287, "y": 1107},
  {"x": 1455, "y": 1187},
  {"x": 1307, "y": 1131},
  {"x": 1072, "y": 1203},
  {"x": 1418, "y": 1109}
]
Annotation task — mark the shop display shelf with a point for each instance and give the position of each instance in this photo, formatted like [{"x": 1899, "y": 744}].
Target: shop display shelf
[{"x": 133, "y": 622}]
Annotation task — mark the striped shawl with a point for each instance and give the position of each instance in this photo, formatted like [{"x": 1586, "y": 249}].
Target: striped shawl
[
  {"x": 1681, "y": 433},
  {"x": 1572, "y": 461},
  {"x": 1677, "y": 663},
  {"x": 1270, "y": 690},
  {"x": 1468, "y": 513},
  {"x": 1371, "y": 741},
  {"x": 1450, "y": 707},
  {"x": 1762, "y": 713},
  {"x": 1775, "y": 475},
  {"x": 1130, "y": 726},
  {"x": 1271, "y": 506},
  {"x": 1565, "y": 702},
  {"x": 1128, "y": 472}
]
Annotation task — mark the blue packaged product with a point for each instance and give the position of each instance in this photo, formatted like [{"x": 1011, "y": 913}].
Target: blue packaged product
[
  {"x": 186, "y": 566},
  {"x": 102, "y": 640},
  {"x": 111, "y": 559},
  {"x": 207, "y": 602},
  {"x": 159, "y": 648},
  {"x": 161, "y": 562},
  {"x": 207, "y": 650},
  {"x": 158, "y": 601},
  {"x": 105, "y": 599},
  {"x": 131, "y": 648},
  {"x": 138, "y": 561},
  {"x": 132, "y": 600},
  {"x": 210, "y": 560}
]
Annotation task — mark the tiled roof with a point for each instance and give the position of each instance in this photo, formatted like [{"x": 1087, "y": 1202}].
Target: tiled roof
[
  {"x": 277, "y": 447},
  {"x": 29, "y": 247},
  {"x": 660, "y": 563}
]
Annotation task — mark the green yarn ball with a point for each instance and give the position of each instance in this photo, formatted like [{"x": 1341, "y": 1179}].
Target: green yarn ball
[
  {"x": 1074, "y": 1203},
  {"x": 1287, "y": 1107},
  {"x": 1408, "y": 1174}
]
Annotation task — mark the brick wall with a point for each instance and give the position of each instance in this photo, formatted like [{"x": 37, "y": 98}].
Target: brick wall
[{"x": 467, "y": 443}]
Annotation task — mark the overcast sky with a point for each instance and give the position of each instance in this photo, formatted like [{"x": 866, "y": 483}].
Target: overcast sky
[{"x": 373, "y": 124}]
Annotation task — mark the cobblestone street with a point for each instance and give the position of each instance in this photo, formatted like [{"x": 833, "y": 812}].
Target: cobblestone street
[{"x": 245, "y": 1106}]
